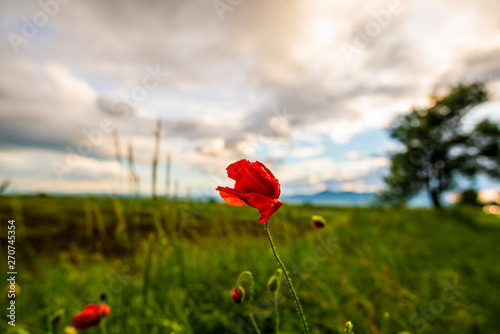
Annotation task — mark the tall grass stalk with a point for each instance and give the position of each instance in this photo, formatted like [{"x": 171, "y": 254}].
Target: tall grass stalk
[
  {"x": 121, "y": 228},
  {"x": 247, "y": 276},
  {"x": 118, "y": 157},
  {"x": 87, "y": 208},
  {"x": 134, "y": 178},
  {"x": 167, "y": 175},
  {"x": 101, "y": 227},
  {"x": 147, "y": 268},
  {"x": 157, "y": 135}
]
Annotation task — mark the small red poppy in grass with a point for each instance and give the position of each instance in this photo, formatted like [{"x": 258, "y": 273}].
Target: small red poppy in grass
[
  {"x": 90, "y": 316},
  {"x": 255, "y": 185},
  {"x": 318, "y": 221},
  {"x": 238, "y": 295}
]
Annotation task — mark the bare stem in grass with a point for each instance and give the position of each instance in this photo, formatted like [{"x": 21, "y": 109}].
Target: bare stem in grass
[
  {"x": 157, "y": 134},
  {"x": 147, "y": 269},
  {"x": 276, "y": 311},
  {"x": 167, "y": 176},
  {"x": 254, "y": 323},
  {"x": 118, "y": 155},
  {"x": 247, "y": 277},
  {"x": 288, "y": 280},
  {"x": 134, "y": 177},
  {"x": 273, "y": 287}
]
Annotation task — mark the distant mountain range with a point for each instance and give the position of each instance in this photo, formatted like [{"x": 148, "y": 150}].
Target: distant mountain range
[{"x": 334, "y": 198}]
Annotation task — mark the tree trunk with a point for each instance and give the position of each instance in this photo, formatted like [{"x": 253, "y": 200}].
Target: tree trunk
[{"x": 435, "y": 199}]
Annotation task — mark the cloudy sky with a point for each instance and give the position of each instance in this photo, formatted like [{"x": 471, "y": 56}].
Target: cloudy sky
[{"x": 307, "y": 87}]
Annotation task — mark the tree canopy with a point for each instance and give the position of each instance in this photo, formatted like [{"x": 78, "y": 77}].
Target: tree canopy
[{"x": 437, "y": 147}]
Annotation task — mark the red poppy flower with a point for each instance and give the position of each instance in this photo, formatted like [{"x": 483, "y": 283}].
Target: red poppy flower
[
  {"x": 104, "y": 308},
  {"x": 255, "y": 186},
  {"x": 90, "y": 316}
]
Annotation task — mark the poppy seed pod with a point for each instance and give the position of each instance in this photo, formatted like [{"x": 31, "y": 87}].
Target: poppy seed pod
[
  {"x": 318, "y": 221},
  {"x": 238, "y": 295}
]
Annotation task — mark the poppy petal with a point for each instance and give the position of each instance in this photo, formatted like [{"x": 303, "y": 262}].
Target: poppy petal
[
  {"x": 104, "y": 309},
  {"x": 266, "y": 173},
  {"x": 89, "y": 317},
  {"x": 238, "y": 169},
  {"x": 253, "y": 182},
  {"x": 251, "y": 178},
  {"x": 267, "y": 206},
  {"x": 230, "y": 198}
]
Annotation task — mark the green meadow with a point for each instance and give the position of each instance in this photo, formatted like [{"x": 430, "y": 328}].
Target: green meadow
[{"x": 168, "y": 266}]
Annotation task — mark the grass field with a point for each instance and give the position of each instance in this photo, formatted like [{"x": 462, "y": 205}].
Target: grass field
[{"x": 169, "y": 266}]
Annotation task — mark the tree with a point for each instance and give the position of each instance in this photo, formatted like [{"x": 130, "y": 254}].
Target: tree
[
  {"x": 437, "y": 147},
  {"x": 469, "y": 197}
]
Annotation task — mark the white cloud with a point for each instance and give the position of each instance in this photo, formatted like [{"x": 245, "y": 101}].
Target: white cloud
[
  {"x": 214, "y": 146},
  {"x": 269, "y": 81},
  {"x": 323, "y": 169},
  {"x": 353, "y": 155},
  {"x": 31, "y": 170},
  {"x": 307, "y": 151}
]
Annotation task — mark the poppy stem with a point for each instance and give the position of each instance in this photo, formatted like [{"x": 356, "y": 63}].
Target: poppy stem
[
  {"x": 288, "y": 280},
  {"x": 248, "y": 300},
  {"x": 254, "y": 323}
]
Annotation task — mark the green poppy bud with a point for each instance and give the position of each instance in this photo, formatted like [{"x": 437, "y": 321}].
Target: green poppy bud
[
  {"x": 238, "y": 294},
  {"x": 318, "y": 221}
]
